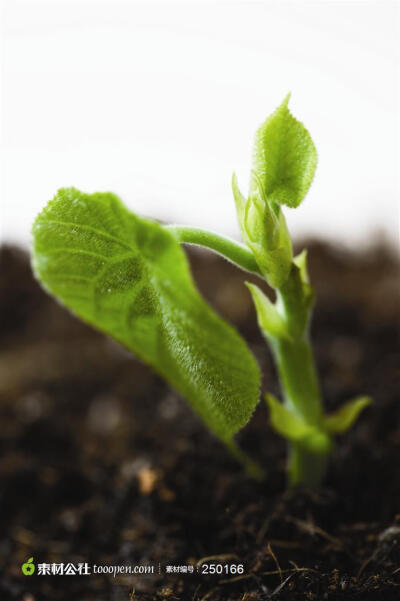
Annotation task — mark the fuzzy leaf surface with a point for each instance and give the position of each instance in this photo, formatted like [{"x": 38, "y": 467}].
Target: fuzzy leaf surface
[
  {"x": 285, "y": 158},
  {"x": 129, "y": 277}
]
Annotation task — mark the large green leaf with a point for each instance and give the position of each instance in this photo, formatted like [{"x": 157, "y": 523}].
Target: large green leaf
[
  {"x": 129, "y": 277},
  {"x": 285, "y": 158}
]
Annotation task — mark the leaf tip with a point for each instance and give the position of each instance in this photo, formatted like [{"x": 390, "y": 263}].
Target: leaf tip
[
  {"x": 286, "y": 99},
  {"x": 341, "y": 420}
]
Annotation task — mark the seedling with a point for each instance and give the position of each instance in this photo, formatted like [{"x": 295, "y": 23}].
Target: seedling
[{"x": 129, "y": 277}]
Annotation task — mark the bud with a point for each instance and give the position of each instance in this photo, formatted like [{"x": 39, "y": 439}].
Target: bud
[
  {"x": 264, "y": 230},
  {"x": 284, "y": 162}
]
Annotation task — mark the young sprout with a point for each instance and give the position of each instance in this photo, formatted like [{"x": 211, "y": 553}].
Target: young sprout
[{"x": 129, "y": 277}]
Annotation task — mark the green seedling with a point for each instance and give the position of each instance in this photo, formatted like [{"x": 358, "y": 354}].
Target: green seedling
[{"x": 129, "y": 277}]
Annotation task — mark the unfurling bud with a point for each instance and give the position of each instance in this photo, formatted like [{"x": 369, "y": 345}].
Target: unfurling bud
[
  {"x": 284, "y": 164},
  {"x": 264, "y": 230}
]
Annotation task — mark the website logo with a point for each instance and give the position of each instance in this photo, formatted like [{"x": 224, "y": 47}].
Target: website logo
[{"x": 28, "y": 567}]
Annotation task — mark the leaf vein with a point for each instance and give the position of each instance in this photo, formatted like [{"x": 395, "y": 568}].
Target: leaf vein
[{"x": 88, "y": 228}]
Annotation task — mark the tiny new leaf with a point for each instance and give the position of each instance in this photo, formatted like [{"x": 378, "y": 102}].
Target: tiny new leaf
[
  {"x": 284, "y": 421},
  {"x": 285, "y": 158},
  {"x": 295, "y": 428},
  {"x": 129, "y": 277},
  {"x": 270, "y": 321},
  {"x": 342, "y": 419}
]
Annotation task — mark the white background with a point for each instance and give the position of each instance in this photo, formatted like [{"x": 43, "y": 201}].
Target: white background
[{"x": 159, "y": 102}]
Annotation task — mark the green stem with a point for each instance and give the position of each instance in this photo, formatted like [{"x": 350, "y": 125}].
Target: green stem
[
  {"x": 231, "y": 250},
  {"x": 306, "y": 468},
  {"x": 295, "y": 363},
  {"x": 298, "y": 377},
  {"x": 297, "y": 373}
]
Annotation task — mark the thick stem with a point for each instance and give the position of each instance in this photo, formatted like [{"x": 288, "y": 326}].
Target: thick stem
[
  {"x": 306, "y": 468},
  {"x": 295, "y": 363},
  {"x": 297, "y": 373},
  {"x": 231, "y": 250}
]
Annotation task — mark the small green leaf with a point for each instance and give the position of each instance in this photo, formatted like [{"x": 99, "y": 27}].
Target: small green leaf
[
  {"x": 285, "y": 422},
  {"x": 342, "y": 419},
  {"x": 130, "y": 278},
  {"x": 240, "y": 203},
  {"x": 262, "y": 220},
  {"x": 296, "y": 429},
  {"x": 285, "y": 158},
  {"x": 300, "y": 261},
  {"x": 269, "y": 320}
]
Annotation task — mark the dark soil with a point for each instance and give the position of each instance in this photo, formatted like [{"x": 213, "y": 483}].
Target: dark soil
[{"x": 101, "y": 462}]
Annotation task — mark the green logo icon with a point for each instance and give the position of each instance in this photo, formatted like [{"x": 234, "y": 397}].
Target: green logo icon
[{"x": 28, "y": 567}]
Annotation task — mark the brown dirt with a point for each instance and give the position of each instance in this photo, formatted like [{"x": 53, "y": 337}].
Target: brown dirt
[{"x": 101, "y": 462}]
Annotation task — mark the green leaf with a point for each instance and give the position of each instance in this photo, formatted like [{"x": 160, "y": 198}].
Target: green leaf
[
  {"x": 240, "y": 203},
  {"x": 300, "y": 261},
  {"x": 285, "y": 158},
  {"x": 129, "y": 277},
  {"x": 284, "y": 421},
  {"x": 296, "y": 429},
  {"x": 342, "y": 419},
  {"x": 269, "y": 320}
]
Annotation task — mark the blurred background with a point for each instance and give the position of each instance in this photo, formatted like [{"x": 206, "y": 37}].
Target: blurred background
[{"x": 159, "y": 103}]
